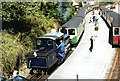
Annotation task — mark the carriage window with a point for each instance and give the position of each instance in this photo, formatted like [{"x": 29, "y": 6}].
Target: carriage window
[
  {"x": 39, "y": 42},
  {"x": 71, "y": 31},
  {"x": 116, "y": 31},
  {"x": 49, "y": 42}
]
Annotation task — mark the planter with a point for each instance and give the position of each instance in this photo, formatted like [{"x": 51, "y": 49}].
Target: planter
[{"x": 96, "y": 28}]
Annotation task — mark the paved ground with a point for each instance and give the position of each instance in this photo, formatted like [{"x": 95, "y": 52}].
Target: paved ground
[{"x": 86, "y": 64}]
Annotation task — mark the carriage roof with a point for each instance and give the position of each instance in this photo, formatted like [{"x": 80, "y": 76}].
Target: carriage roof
[
  {"x": 114, "y": 15},
  {"x": 81, "y": 12},
  {"x": 102, "y": 7},
  {"x": 73, "y": 23},
  {"x": 116, "y": 18},
  {"x": 105, "y": 9}
]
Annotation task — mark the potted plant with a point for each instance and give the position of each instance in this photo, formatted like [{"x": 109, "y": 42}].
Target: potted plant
[{"x": 96, "y": 28}]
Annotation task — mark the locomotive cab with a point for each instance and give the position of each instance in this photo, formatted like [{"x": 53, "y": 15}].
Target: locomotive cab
[{"x": 45, "y": 55}]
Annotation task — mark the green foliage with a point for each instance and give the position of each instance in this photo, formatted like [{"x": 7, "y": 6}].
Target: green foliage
[
  {"x": 12, "y": 17},
  {"x": 11, "y": 47},
  {"x": 12, "y": 11},
  {"x": 0, "y": 15},
  {"x": 34, "y": 16},
  {"x": 0, "y": 9}
]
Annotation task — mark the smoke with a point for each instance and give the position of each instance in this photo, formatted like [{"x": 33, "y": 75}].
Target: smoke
[
  {"x": 66, "y": 14},
  {"x": 64, "y": 10},
  {"x": 60, "y": 8}
]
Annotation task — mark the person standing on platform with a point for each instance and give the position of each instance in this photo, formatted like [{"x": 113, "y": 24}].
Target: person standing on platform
[
  {"x": 90, "y": 20},
  {"x": 93, "y": 18},
  {"x": 91, "y": 47}
]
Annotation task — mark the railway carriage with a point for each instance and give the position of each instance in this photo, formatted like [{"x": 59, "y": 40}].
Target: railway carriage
[
  {"x": 75, "y": 27},
  {"x": 103, "y": 11},
  {"x": 115, "y": 29},
  {"x": 112, "y": 19},
  {"x": 46, "y": 52},
  {"x": 106, "y": 16}
]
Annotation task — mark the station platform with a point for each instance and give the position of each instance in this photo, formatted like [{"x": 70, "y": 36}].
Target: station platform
[{"x": 82, "y": 63}]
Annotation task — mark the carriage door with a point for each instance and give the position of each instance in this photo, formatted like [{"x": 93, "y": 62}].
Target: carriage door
[{"x": 116, "y": 35}]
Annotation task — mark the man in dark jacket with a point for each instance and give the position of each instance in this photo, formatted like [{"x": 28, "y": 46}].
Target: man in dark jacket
[{"x": 91, "y": 47}]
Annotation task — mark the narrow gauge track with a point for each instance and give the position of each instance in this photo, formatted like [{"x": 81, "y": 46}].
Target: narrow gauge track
[
  {"x": 114, "y": 71},
  {"x": 42, "y": 76},
  {"x": 38, "y": 77}
]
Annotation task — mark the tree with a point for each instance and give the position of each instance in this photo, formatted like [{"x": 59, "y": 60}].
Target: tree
[{"x": 11, "y": 48}]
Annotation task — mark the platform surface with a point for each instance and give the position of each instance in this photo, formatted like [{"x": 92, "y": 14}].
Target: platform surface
[{"x": 86, "y": 64}]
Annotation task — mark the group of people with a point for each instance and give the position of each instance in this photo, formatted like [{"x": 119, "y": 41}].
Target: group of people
[{"x": 93, "y": 19}]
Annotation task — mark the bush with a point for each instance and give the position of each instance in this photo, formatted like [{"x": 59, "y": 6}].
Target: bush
[{"x": 11, "y": 47}]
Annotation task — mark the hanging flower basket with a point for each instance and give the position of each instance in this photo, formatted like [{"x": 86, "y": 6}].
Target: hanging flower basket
[{"x": 96, "y": 28}]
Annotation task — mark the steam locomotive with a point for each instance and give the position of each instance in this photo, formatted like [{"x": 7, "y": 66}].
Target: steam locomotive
[{"x": 48, "y": 51}]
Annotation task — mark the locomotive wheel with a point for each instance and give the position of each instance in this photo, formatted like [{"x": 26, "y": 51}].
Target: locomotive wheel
[
  {"x": 60, "y": 62},
  {"x": 35, "y": 71}
]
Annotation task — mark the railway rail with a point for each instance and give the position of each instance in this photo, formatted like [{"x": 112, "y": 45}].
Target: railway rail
[
  {"x": 38, "y": 77},
  {"x": 114, "y": 71}
]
